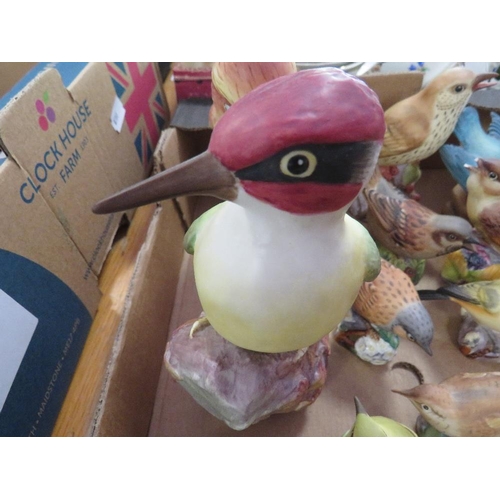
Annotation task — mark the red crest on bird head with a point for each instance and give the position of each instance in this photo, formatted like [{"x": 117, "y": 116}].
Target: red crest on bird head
[{"x": 317, "y": 106}]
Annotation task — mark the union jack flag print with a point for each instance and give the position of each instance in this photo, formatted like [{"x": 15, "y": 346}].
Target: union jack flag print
[{"x": 138, "y": 88}]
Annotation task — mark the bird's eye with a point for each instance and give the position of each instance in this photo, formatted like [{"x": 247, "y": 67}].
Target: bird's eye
[
  {"x": 410, "y": 337},
  {"x": 459, "y": 88},
  {"x": 298, "y": 163},
  {"x": 425, "y": 407},
  {"x": 493, "y": 175},
  {"x": 451, "y": 237}
]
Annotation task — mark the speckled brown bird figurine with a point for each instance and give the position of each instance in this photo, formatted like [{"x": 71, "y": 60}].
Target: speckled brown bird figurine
[
  {"x": 392, "y": 302},
  {"x": 408, "y": 228},
  {"x": 483, "y": 199},
  {"x": 420, "y": 124},
  {"x": 467, "y": 404}
]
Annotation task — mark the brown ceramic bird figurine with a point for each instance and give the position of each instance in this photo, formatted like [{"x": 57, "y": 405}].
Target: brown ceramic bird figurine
[
  {"x": 467, "y": 404},
  {"x": 483, "y": 199},
  {"x": 408, "y": 228},
  {"x": 392, "y": 302},
  {"x": 420, "y": 124}
]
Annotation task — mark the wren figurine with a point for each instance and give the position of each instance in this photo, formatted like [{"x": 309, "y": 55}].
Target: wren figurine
[
  {"x": 278, "y": 266},
  {"x": 467, "y": 404}
]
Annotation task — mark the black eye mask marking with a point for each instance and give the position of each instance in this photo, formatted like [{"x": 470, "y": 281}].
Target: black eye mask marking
[{"x": 335, "y": 164}]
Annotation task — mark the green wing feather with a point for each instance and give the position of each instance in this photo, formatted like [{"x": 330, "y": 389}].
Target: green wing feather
[
  {"x": 194, "y": 229},
  {"x": 373, "y": 263}
]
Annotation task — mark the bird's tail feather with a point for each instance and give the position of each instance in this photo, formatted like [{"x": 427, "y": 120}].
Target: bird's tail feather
[{"x": 494, "y": 128}]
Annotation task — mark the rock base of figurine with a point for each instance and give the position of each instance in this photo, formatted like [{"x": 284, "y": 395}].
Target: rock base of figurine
[{"x": 242, "y": 387}]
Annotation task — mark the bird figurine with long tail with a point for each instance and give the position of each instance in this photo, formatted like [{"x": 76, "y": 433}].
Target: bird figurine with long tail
[
  {"x": 465, "y": 405},
  {"x": 279, "y": 265},
  {"x": 480, "y": 298}
]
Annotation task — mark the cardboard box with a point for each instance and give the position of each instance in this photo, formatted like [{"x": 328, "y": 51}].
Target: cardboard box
[{"x": 71, "y": 134}]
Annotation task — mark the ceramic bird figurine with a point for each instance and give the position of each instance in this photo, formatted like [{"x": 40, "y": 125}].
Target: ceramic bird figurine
[
  {"x": 392, "y": 303},
  {"x": 232, "y": 80},
  {"x": 483, "y": 200},
  {"x": 474, "y": 143},
  {"x": 480, "y": 298},
  {"x": 370, "y": 343},
  {"x": 467, "y": 404},
  {"x": 409, "y": 229},
  {"x": 366, "y": 426},
  {"x": 472, "y": 136},
  {"x": 479, "y": 262},
  {"x": 278, "y": 267},
  {"x": 420, "y": 124},
  {"x": 477, "y": 341}
]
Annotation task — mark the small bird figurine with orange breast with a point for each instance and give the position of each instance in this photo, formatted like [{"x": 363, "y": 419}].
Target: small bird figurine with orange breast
[
  {"x": 409, "y": 229},
  {"x": 419, "y": 125},
  {"x": 483, "y": 199},
  {"x": 467, "y": 404},
  {"x": 392, "y": 302}
]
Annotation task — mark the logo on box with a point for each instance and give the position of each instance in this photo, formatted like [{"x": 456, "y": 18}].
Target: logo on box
[{"x": 48, "y": 115}]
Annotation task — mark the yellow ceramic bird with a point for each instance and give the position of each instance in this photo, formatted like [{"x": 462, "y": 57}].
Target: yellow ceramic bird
[
  {"x": 480, "y": 298},
  {"x": 391, "y": 301},
  {"x": 419, "y": 125},
  {"x": 232, "y": 80},
  {"x": 279, "y": 265},
  {"x": 366, "y": 426},
  {"x": 467, "y": 404},
  {"x": 409, "y": 229},
  {"x": 483, "y": 199}
]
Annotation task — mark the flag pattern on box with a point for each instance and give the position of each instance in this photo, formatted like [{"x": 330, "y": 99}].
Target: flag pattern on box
[{"x": 138, "y": 89}]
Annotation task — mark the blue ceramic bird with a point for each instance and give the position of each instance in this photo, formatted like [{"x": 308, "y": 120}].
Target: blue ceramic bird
[
  {"x": 472, "y": 136},
  {"x": 279, "y": 265},
  {"x": 474, "y": 143}
]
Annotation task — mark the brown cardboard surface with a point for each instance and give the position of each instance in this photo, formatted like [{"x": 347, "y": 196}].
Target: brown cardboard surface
[
  {"x": 34, "y": 233},
  {"x": 11, "y": 73},
  {"x": 61, "y": 162},
  {"x": 177, "y": 414},
  {"x": 130, "y": 386}
]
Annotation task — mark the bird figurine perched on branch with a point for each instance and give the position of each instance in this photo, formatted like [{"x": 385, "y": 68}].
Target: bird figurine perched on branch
[
  {"x": 420, "y": 124},
  {"x": 467, "y": 404},
  {"x": 279, "y": 265}
]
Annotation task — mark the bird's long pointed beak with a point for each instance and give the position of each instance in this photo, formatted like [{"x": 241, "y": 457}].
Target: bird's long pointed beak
[
  {"x": 470, "y": 242},
  {"x": 201, "y": 175},
  {"x": 480, "y": 82}
]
